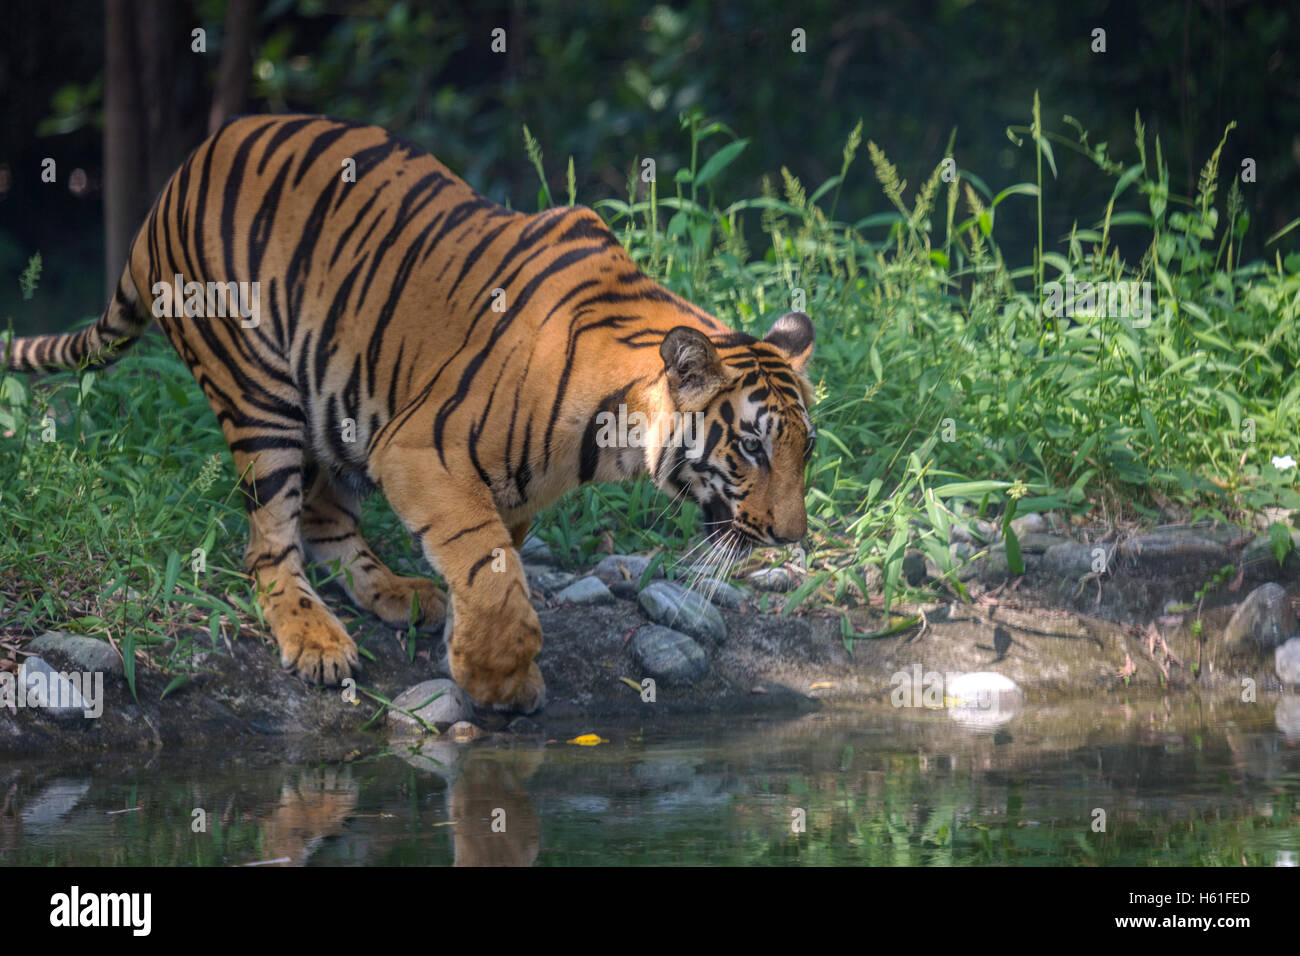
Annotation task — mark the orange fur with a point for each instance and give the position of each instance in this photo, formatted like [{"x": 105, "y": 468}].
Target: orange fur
[{"x": 414, "y": 336}]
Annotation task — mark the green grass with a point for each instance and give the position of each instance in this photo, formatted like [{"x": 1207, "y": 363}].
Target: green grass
[{"x": 941, "y": 387}]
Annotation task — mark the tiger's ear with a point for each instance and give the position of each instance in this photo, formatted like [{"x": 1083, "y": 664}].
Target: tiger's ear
[
  {"x": 793, "y": 335},
  {"x": 695, "y": 371}
]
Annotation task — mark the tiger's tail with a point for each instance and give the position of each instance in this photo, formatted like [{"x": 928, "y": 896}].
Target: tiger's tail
[{"x": 94, "y": 347}]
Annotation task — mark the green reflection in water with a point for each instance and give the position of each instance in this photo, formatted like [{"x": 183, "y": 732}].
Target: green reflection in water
[{"x": 1180, "y": 782}]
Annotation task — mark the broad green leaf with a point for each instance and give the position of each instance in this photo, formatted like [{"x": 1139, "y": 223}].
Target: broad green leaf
[{"x": 720, "y": 161}]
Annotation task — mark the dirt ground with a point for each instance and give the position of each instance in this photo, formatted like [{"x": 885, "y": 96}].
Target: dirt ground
[{"x": 1054, "y": 635}]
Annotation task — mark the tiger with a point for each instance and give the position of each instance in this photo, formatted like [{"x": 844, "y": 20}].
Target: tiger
[{"x": 360, "y": 319}]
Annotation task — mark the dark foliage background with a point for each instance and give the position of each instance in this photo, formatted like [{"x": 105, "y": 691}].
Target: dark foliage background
[{"x": 606, "y": 83}]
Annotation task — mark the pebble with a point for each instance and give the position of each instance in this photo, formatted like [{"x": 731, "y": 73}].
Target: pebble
[
  {"x": 964, "y": 564},
  {"x": 1262, "y": 621},
  {"x": 773, "y": 579},
  {"x": 1286, "y": 661},
  {"x": 720, "y": 592},
  {"x": 1032, "y": 523},
  {"x": 589, "y": 590},
  {"x": 916, "y": 569},
  {"x": 670, "y": 604},
  {"x": 624, "y": 589},
  {"x": 983, "y": 699},
  {"x": 1258, "y": 556},
  {"x": 536, "y": 551},
  {"x": 451, "y": 708},
  {"x": 48, "y": 689},
  {"x": 1035, "y": 541},
  {"x": 549, "y": 580},
  {"x": 82, "y": 653},
  {"x": 612, "y": 568},
  {"x": 1071, "y": 559},
  {"x": 462, "y": 732},
  {"x": 668, "y": 656},
  {"x": 524, "y": 726}
]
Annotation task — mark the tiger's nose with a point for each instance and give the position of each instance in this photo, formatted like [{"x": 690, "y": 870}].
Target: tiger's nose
[{"x": 790, "y": 530}]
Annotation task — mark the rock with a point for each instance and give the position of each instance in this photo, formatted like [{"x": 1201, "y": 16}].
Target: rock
[
  {"x": 1261, "y": 622},
  {"x": 523, "y": 726},
  {"x": 982, "y": 700},
  {"x": 80, "y": 653},
  {"x": 1286, "y": 715},
  {"x": 1071, "y": 559},
  {"x": 1259, "y": 560},
  {"x": 1035, "y": 542},
  {"x": 872, "y": 578},
  {"x": 1216, "y": 531},
  {"x": 623, "y": 567},
  {"x": 933, "y": 572},
  {"x": 536, "y": 551},
  {"x": 964, "y": 561},
  {"x": 993, "y": 566},
  {"x": 670, "y": 604},
  {"x": 588, "y": 590},
  {"x": 1270, "y": 516},
  {"x": 1178, "y": 555},
  {"x": 1286, "y": 661},
  {"x": 668, "y": 656},
  {"x": 48, "y": 689},
  {"x": 1032, "y": 523},
  {"x": 958, "y": 532},
  {"x": 773, "y": 579},
  {"x": 916, "y": 569},
  {"x": 720, "y": 593},
  {"x": 548, "y": 580},
  {"x": 627, "y": 590},
  {"x": 1057, "y": 523},
  {"x": 462, "y": 732},
  {"x": 449, "y": 708}
]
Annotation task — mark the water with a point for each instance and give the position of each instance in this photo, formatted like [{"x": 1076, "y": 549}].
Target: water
[{"x": 1179, "y": 781}]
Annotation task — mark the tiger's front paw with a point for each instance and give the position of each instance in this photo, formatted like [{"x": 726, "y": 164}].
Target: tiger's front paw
[
  {"x": 314, "y": 644},
  {"x": 492, "y": 658},
  {"x": 523, "y": 690}
]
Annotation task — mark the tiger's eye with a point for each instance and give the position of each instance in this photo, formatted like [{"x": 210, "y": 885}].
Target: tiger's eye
[{"x": 751, "y": 445}]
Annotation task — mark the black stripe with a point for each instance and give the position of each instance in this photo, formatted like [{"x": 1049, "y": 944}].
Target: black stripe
[
  {"x": 234, "y": 185},
  {"x": 478, "y": 566},
  {"x": 281, "y": 135},
  {"x": 321, "y": 143}
]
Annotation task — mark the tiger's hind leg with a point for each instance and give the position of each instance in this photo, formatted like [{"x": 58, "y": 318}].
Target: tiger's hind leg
[
  {"x": 330, "y": 532},
  {"x": 250, "y": 389},
  {"x": 312, "y": 641}
]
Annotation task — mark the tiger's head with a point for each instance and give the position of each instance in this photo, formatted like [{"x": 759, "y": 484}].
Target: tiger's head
[{"x": 745, "y": 433}]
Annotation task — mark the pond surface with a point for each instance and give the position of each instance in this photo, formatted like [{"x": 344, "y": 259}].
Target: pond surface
[{"x": 1174, "y": 781}]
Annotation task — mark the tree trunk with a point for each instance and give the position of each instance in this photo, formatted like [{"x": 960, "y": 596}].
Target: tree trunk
[
  {"x": 153, "y": 116},
  {"x": 123, "y": 139},
  {"x": 233, "y": 82}
]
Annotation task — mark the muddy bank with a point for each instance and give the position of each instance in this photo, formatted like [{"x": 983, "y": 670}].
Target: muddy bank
[
  {"x": 242, "y": 698},
  {"x": 629, "y": 653}
]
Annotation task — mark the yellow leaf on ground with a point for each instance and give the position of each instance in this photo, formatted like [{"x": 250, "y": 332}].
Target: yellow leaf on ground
[
  {"x": 588, "y": 740},
  {"x": 631, "y": 683},
  {"x": 822, "y": 685}
]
